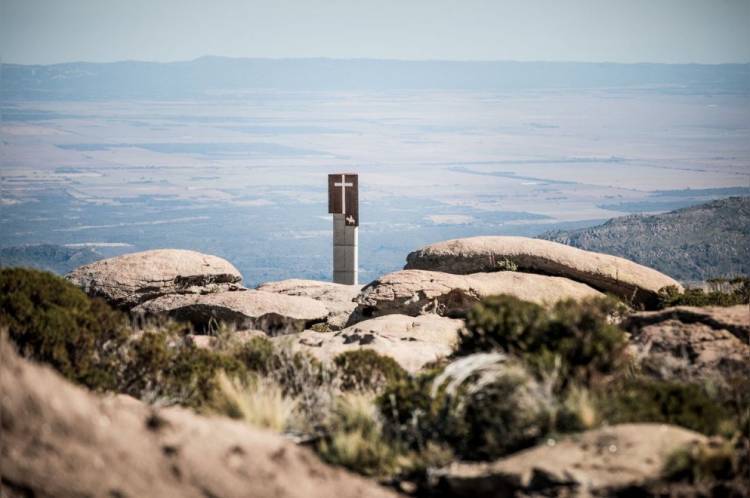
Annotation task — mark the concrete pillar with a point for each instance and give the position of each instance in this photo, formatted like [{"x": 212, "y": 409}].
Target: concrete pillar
[{"x": 345, "y": 241}]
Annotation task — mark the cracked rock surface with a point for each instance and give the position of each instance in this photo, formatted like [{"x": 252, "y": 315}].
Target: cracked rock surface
[
  {"x": 128, "y": 280},
  {"x": 411, "y": 341},
  {"x": 691, "y": 343},
  {"x": 338, "y": 298},
  {"x": 414, "y": 292},
  {"x": 246, "y": 309},
  {"x": 597, "y": 462}
]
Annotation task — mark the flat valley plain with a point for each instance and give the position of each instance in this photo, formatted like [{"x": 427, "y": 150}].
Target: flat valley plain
[{"x": 243, "y": 174}]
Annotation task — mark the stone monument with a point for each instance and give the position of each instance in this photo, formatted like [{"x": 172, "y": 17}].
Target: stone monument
[{"x": 343, "y": 203}]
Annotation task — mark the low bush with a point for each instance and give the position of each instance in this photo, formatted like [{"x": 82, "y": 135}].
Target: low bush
[
  {"x": 366, "y": 370},
  {"x": 52, "y": 321},
  {"x": 301, "y": 377},
  {"x": 87, "y": 341},
  {"x": 724, "y": 293},
  {"x": 481, "y": 406},
  {"x": 574, "y": 339},
  {"x": 646, "y": 400},
  {"x": 294, "y": 371}
]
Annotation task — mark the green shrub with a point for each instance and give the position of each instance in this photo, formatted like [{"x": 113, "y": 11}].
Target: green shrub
[
  {"x": 295, "y": 371},
  {"x": 574, "y": 338},
  {"x": 321, "y": 327},
  {"x": 506, "y": 264},
  {"x": 191, "y": 375},
  {"x": 492, "y": 406},
  {"x": 410, "y": 411},
  {"x": 482, "y": 406},
  {"x": 734, "y": 292},
  {"x": 502, "y": 323},
  {"x": 645, "y": 400},
  {"x": 257, "y": 355},
  {"x": 52, "y": 321},
  {"x": 366, "y": 370}
]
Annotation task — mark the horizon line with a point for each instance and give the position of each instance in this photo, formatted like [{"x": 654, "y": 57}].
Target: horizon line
[{"x": 375, "y": 59}]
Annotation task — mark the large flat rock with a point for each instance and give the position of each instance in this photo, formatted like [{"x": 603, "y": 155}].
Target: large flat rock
[
  {"x": 414, "y": 292},
  {"x": 594, "y": 463},
  {"x": 130, "y": 279},
  {"x": 246, "y": 309},
  {"x": 337, "y": 298},
  {"x": 626, "y": 279},
  {"x": 412, "y": 342},
  {"x": 60, "y": 440}
]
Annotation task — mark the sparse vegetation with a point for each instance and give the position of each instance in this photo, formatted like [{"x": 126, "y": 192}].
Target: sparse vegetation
[
  {"x": 702, "y": 462},
  {"x": 481, "y": 406},
  {"x": 646, "y": 400},
  {"x": 575, "y": 339},
  {"x": 721, "y": 292},
  {"x": 521, "y": 373},
  {"x": 54, "y": 322},
  {"x": 366, "y": 370},
  {"x": 506, "y": 264},
  {"x": 355, "y": 438},
  {"x": 260, "y": 402},
  {"x": 689, "y": 244}
]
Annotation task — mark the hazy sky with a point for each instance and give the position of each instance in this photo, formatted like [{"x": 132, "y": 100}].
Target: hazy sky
[{"x": 49, "y": 31}]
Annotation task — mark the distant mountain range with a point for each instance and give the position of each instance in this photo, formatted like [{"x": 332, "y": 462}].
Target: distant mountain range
[
  {"x": 213, "y": 76},
  {"x": 691, "y": 244}
]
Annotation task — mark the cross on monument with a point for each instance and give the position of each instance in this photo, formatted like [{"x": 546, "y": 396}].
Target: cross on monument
[
  {"x": 343, "y": 197},
  {"x": 343, "y": 184},
  {"x": 343, "y": 203}
]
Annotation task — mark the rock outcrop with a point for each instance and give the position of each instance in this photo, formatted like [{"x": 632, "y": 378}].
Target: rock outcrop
[
  {"x": 412, "y": 342},
  {"x": 689, "y": 343},
  {"x": 598, "y": 462},
  {"x": 60, "y": 440},
  {"x": 338, "y": 298},
  {"x": 128, "y": 280},
  {"x": 626, "y": 279},
  {"x": 413, "y": 292},
  {"x": 248, "y": 309},
  {"x": 735, "y": 319}
]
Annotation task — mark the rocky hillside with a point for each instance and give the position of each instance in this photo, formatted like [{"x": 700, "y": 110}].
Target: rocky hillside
[
  {"x": 489, "y": 366},
  {"x": 691, "y": 244}
]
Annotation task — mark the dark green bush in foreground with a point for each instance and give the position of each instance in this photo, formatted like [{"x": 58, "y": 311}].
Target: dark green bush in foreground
[
  {"x": 52, "y": 321},
  {"x": 479, "y": 413},
  {"x": 575, "y": 338}
]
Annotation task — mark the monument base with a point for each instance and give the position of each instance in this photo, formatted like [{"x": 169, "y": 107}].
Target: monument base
[{"x": 345, "y": 239}]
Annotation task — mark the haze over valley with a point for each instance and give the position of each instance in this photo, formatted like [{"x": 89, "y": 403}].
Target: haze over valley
[{"x": 235, "y": 165}]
